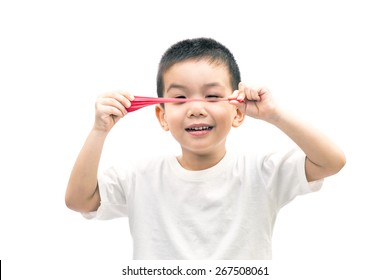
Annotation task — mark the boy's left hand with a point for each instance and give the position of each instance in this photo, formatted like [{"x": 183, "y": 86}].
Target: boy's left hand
[{"x": 255, "y": 102}]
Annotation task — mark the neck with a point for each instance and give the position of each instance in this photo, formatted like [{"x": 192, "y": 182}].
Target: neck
[{"x": 192, "y": 161}]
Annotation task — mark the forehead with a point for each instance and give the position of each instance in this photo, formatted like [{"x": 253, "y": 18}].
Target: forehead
[{"x": 197, "y": 72}]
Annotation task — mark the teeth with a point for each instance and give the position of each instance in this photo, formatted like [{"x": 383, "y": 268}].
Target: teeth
[{"x": 199, "y": 128}]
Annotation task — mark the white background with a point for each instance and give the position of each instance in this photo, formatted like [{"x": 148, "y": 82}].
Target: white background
[{"x": 327, "y": 61}]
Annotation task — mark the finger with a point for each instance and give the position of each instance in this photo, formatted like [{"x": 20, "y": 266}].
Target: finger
[
  {"x": 254, "y": 95},
  {"x": 233, "y": 96},
  {"x": 241, "y": 92},
  {"x": 247, "y": 91},
  {"x": 127, "y": 94},
  {"x": 239, "y": 103},
  {"x": 114, "y": 102},
  {"x": 262, "y": 91},
  {"x": 112, "y": 111},
  {"x": 124, "y": 98}
]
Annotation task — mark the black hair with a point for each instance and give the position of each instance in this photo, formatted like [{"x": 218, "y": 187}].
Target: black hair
[{"x": 198, "y": 48}]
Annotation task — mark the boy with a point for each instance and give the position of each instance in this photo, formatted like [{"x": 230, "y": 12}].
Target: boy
[{"x": 206, "y": 203}]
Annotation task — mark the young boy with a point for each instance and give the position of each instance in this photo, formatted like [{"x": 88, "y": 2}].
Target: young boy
[{"x": 206, "y": 203}]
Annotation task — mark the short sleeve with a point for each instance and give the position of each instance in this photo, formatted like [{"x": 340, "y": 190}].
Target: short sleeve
[
  {"x": 285, "y": 177},
  {"x": 114, "y": 186}
]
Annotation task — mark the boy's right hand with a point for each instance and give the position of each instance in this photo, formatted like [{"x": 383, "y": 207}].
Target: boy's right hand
[{"x": 110, "y": 107}]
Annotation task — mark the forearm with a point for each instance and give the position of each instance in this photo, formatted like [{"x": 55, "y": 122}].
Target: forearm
[
  {"x": 82, "y": 192},
  {"x": 324, "y": 158}
]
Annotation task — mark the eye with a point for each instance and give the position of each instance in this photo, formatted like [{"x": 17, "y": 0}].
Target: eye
[
  {"x": 180, "y": 96},
  {"x": 213, "y": 96}
]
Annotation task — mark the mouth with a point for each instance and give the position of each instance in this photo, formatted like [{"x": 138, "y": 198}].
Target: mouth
[{"x": 199, "y": 128}]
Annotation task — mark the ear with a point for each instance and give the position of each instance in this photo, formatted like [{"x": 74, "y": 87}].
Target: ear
[
  {"x": 160, "y": 114},
  {"x": 238, "y": 118}
]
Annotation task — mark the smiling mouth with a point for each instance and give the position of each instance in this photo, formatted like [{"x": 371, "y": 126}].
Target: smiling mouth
[{"x": 200, "y": 128}]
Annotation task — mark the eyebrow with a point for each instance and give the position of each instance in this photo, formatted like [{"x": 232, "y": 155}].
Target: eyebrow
[
  {"x": 176, "y": 86},
  {"x": 184, "y": 88},
  {"x": 216, "y": 84}
]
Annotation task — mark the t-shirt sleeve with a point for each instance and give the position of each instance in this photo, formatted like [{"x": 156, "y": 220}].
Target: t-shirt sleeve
[
  {"x": 285, "y": 177},
  {"x": 114, "y": 184}
]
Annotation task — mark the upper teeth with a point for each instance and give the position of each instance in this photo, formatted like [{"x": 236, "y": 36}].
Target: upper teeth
[{"x": 199, "y": 128}]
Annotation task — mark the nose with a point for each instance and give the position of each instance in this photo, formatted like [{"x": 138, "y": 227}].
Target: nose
[{"x": 196, "y": 109}]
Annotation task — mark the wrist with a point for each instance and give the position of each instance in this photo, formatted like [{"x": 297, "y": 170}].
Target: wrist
[
  {"x": 99, "y": 132},
  {"x": 274, "y": 116}
]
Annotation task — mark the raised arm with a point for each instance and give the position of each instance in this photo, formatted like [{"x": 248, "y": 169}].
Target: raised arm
[
  {"x": 82, "y": 193},
  {"x": 323, "y": 157}
]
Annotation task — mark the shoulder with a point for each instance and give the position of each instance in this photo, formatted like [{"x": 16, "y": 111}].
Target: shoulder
[
  {"x": 270, "y": 161},
  {"x": 132, "y": 167},
  {"x": 153, "y": 163}
]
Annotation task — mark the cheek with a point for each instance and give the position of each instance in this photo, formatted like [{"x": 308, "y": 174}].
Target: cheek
[
  {"x": 225, "y": 114},
  {"x": 173, "y": 116}
]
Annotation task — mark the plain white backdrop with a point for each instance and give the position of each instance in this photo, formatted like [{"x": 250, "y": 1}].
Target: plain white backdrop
[{"x": 327, "y": 61}]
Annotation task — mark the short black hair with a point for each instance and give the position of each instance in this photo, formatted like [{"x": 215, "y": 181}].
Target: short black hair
[{"x": 198, "y": 48}]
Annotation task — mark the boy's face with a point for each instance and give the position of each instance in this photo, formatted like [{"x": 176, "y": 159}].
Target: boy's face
[{"x": 200, "y": 127}]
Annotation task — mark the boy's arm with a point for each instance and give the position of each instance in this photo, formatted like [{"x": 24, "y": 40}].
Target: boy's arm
[
  {"x": 82, "y": 193},
  {"x": 323, "y": 157}
]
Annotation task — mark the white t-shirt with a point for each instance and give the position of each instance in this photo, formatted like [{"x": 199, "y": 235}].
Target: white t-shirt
[{"x": 225, "y": 212}]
